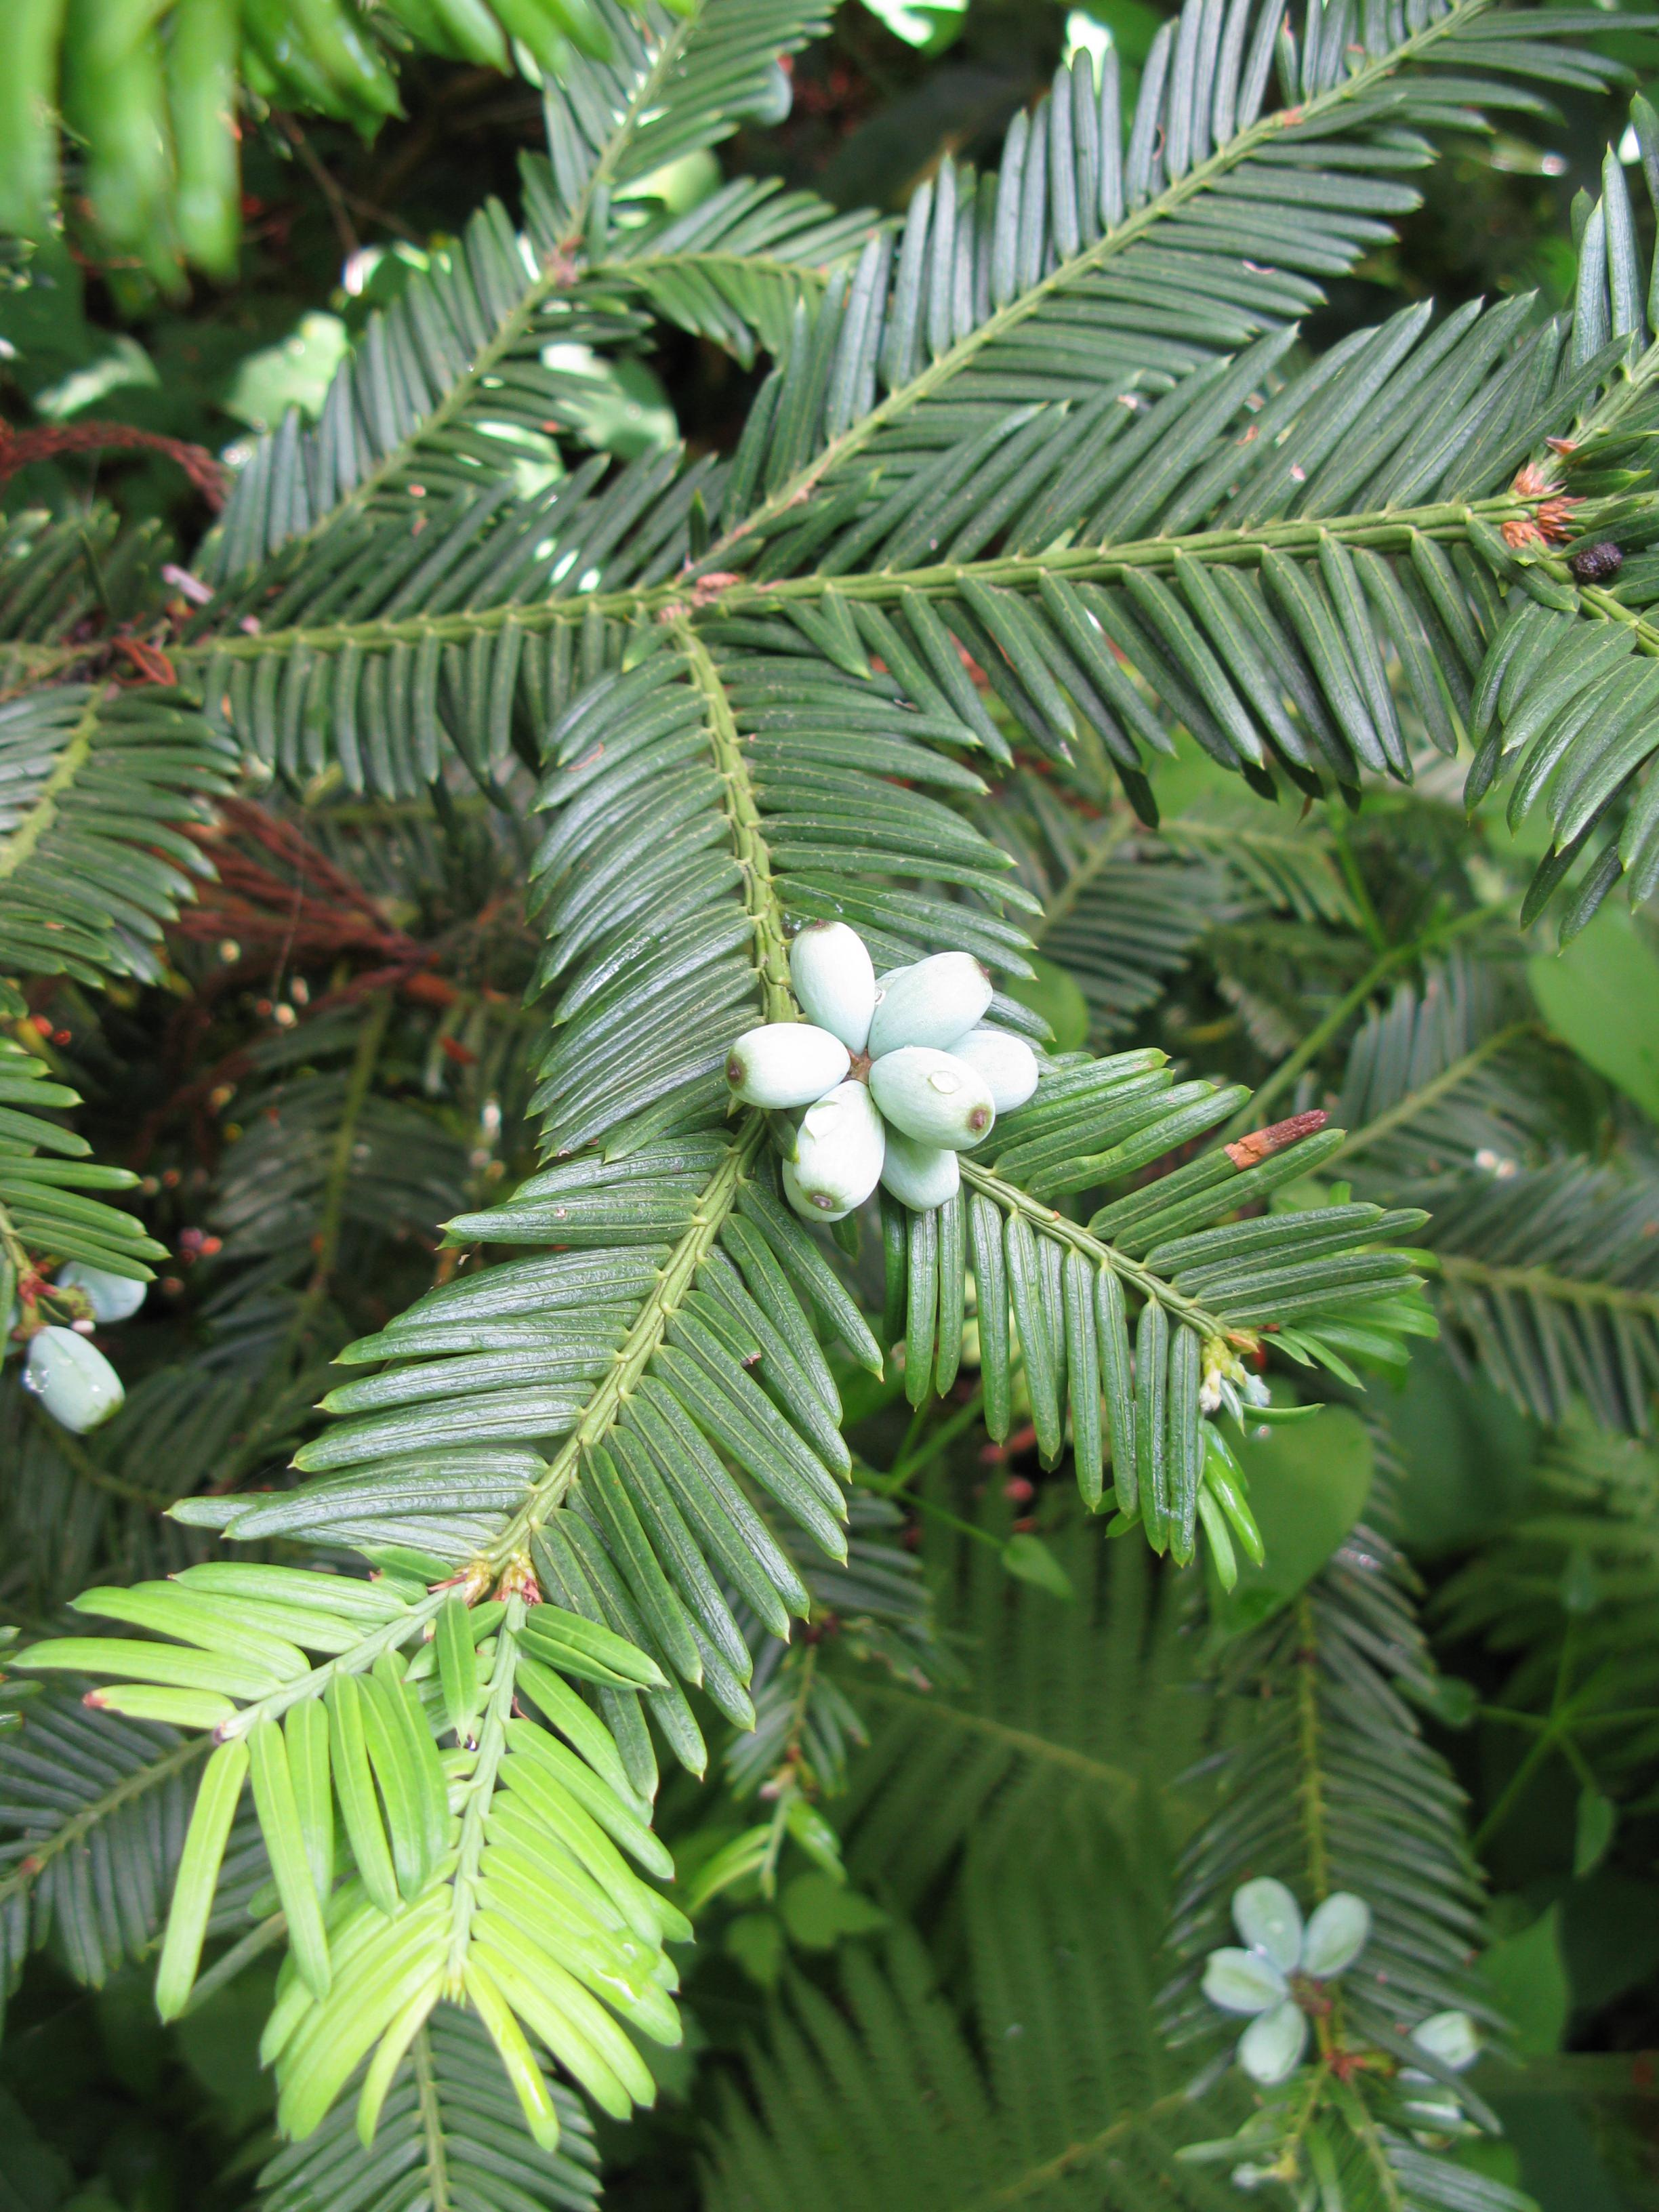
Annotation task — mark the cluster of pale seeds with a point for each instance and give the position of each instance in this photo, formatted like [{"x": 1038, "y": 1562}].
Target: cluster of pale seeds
[
  {"x": 74, "y": 1381},
  {"x": 899, "y": 1075}
]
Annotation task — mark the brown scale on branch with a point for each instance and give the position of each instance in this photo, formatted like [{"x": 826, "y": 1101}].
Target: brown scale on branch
[
  {"x": 1261, "y": 1143},
  {"x": 277, "y": 892},
  {"x": 283, "y": 904},
  {"x": 277, "y": 896},
  {"x": 1551, "y": 521},
  {"x": 50, "y": 441}
]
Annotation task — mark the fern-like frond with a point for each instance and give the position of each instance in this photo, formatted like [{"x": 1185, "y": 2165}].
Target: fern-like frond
[
  {"x": 1567, "y": 1598},
  {"x": 1034, "y": 472},
  {"x": 93, "y": 1809},
  {"x": 1543, "y": 1265},
  {"x": 1330, "y": 1787},
  {"x": 73, "y": 1506},
  {"x": 1255, "y": 555},
  {"x": 405, "y": 421},
  {"x": 674, "y": 86},
  {"x": 1053, "y": 2092},
  {"x": 736, "y": 268},
  {"x": 1117, "y": 914},
  {"x": 1123, "y": 908},
  {"x": 518, "y": 1900},
  {"x": 1126, "y": 927},
  {"x": 45, "y": 1171},
  {"x": 461, "y": 379},
  {"x": 565, "y": 1426},
  {"x": 1290, "y": 868},
  {"x": 439, "y": 629},
  {"x": 451, "y": 2134},
  {"x": 1436, "y": 1083},
  {"x": 1034, "y": 1805},
  {"x": 323, "y": 1164},
  {"x": 1063, "y": 1708},
  {"x": 1049, "y": 486},
  {"x": 874, "y": 1624},
  {"x": 97, "y": 787},
  {"x": 1567, "y": 697},
  {"x": 1110, "y": 253},
  {"x": 667, "y": 946},
  {"x": 1205, "y": 1280},
  {"x": 1553, "y": 1277},
  {"x": 56, "y": 570},
  {"x": 1257, "y": 595}
]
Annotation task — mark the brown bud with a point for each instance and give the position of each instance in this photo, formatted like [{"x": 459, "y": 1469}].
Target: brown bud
[{"x": 1261, "y": 1143}]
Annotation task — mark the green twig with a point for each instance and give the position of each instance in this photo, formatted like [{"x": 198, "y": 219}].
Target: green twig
[
  {"x": 438, "y": 2198},
  {"x": 1251, "y": 1114},
  {"x": 1417, "y": 1102}
]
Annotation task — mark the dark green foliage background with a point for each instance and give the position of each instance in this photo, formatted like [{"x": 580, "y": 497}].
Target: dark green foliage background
[
  {"x": 1538, "y": 1546},
  {"x": 871, "y": 116}
]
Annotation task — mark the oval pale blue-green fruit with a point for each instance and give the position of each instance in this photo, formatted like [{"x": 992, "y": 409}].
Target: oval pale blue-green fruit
[
  {"x": 1336, "y": 1935},
  {"x": 835, "y": 979},
  {"x": 111, "y": 1297},
  {"x": 1433, "y": 2109},
  {"x": 1243, "y": 1981},
  {"x": 933, "y": 1003},
  {"x": 72, "y": 1379},
  {"x": 807, "y": 1209},
  {"x": 1006, "y": 1062},
  {"x": 838, "y": 1150},
  {"x": 786, "y": 1064},
  {"x": 1450, "y": 2037},
  {"x": 773, "y": 102},
  {"x": 920, "y": 1177},
  {"x": 932, "y": 1096},
  {"x": 1270, "y": 2050},
  {"x": 1269, "y": 1919}
]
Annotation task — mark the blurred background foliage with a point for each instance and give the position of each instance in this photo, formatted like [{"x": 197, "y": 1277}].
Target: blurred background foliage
[
  {"x": 333, "y": 220},
  {"x": 361, "y": 971}
]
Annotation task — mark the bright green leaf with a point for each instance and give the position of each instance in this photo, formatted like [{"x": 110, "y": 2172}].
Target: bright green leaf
[
  {"x": 1050, "y": 992},
  {"x": 1601, "y": 997},
  {"x": 817, "y": 1912},
  {"x": 1595, "y": 1822},
  {"x": 1528, "y": 1976},
  {"x": 1030, "y": 1560},
  {"x": 756, "y": 1940},
  {"x": 1308, "y": 1485}
]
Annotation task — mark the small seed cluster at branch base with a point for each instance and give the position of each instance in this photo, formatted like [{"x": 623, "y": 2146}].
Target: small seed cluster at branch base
[
  {"x": 1284, "y": 1981},
  {"x": 74, "y": 1381},
  {"x": 897, "y": 1074},
  {"x": 1278, "y": 1981}
]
